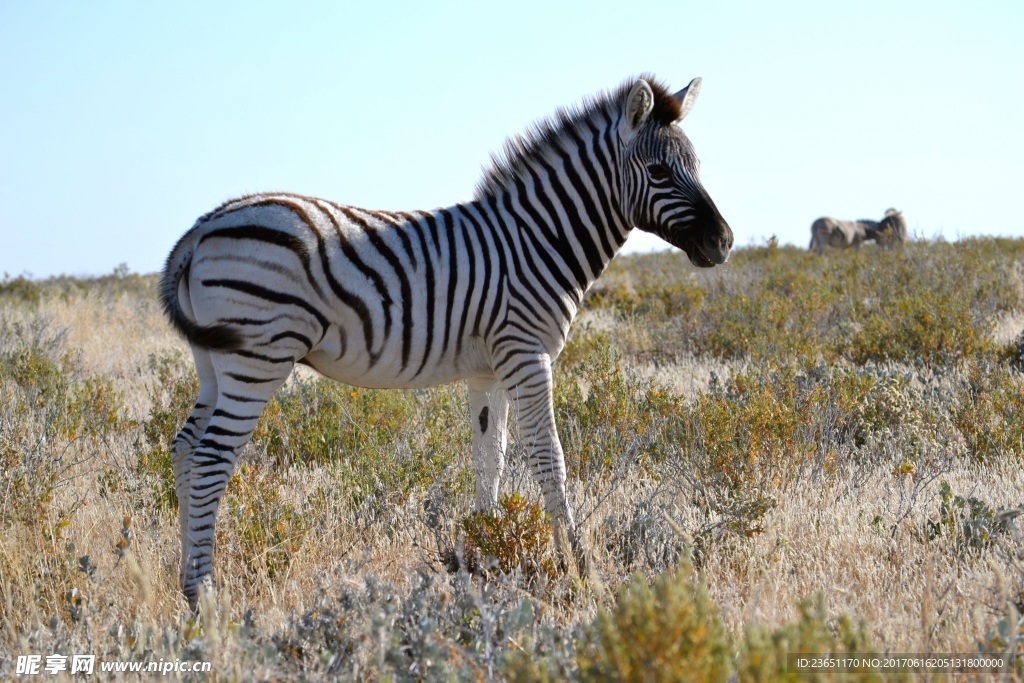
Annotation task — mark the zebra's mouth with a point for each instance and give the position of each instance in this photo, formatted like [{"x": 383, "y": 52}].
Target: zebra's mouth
[{"x": 697, "y": 257}]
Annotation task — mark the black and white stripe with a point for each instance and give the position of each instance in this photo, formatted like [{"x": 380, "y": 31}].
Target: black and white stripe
[{"x": 482, "y": 291}]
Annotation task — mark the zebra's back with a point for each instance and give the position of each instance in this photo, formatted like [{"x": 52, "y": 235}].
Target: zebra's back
[{"x": 327, "y": 272}]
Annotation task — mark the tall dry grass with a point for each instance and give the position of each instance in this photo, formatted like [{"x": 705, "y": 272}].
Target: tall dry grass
[{"x": 758, "y": 455}]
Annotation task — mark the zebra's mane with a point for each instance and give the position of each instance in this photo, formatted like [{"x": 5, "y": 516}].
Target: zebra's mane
[{"x": 551, "y": 133}]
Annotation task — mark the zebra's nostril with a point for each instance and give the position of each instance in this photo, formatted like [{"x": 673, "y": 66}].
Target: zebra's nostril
[{"x": 718, "y": 246}]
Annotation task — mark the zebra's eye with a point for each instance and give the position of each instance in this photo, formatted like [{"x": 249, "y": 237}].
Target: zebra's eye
[{"x": 659, "y": 171}]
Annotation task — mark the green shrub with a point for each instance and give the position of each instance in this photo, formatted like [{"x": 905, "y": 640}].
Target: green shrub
[
  {"x": 172, "y": 397},
  {"x": 928, "y": 326},
  {"x": 668, "y": 631},
  {"x": 260, "y": 526},
  {"x": 784, "y": 303},
  {"x": 990, "y": 412},
  {"x": 766, "y": 654},
  {"x": 649, "y": 296},
  {"x": 74, "y": 406},
  {"x": 51, "y": 412},
  {"x": 516, "y": 537},
  {"x": 315, "y": 421},
  {"x": 768, "y": 423},
  {"x": 21, "y": 288},
  {"x": 53, "y": 419},
  {"x": 584, "y": 347},
  {"x": 604, "y": 414},
  {"x": 641, "y": 539},
  {"x": 969, "y": 522},
  {"x": 786, "y": 315},
  {"x": 1007, "y": 638},
  {"x": 730, "y": 519},
  {"x": 912, "y": 315},
  {"x": 761, "y": 425},
  {"x": 375, "y": 440},
  {"x": 25, "y": 289}
]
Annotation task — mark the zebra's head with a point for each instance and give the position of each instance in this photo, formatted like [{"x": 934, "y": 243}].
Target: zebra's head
[{"x": 662, "y": 192}]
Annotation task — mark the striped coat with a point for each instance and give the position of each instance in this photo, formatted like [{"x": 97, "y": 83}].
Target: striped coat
[{"x": 483, "y": 291}]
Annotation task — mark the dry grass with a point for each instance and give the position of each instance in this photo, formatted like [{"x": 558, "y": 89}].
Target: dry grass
[
  {"x": 351, "y": 576},
  {"x": 915, "y": 596}
]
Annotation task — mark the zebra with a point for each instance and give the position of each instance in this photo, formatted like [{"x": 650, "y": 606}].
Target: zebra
[
  {"x": 892, "y": 229},
  {"x": 832, "y": 232},
  {"x": 483, "y": 291}
]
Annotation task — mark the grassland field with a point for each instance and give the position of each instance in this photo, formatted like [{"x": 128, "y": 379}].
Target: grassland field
[{"x": 786, "y": 454}]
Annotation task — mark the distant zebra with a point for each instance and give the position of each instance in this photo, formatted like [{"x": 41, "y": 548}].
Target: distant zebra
[
  {"x": 482, "y": 291},
  {"x": 832, "y": 232}
]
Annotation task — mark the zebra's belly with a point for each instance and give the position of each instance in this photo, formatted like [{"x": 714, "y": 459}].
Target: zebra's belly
[{"x": 356, "y": 367}]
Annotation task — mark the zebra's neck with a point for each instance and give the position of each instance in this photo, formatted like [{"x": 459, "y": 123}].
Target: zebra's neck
[{"x": 558, "y": 193}]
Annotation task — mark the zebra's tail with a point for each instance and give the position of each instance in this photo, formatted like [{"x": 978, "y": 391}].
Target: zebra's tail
[{"x": 215, "y": 337}]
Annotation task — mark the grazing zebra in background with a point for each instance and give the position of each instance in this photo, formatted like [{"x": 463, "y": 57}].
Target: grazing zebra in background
[
  {"x": 482, "y": 291},
  {"x": 832, "y": 232},
  {"x": 892, "y": 230}
]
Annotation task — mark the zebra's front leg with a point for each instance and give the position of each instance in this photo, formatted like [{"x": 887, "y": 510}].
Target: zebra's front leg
[
  {"x": 488, "y": 411},
  {"x": 530, "y": 389}
]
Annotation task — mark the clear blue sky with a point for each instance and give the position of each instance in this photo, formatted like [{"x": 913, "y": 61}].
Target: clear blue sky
[{"x": 121, "y": 122}]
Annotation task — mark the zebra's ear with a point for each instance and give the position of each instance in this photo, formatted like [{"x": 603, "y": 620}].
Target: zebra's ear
[
  {"x": 686, "y": 97},
  {"x": 639, "y": 104}
]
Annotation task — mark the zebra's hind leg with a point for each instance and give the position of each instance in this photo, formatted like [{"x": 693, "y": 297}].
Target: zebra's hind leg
[
  {"x": 243, "y": 388},
  {"x": 488, "y": 409},
  {"x": 530, "y": 391},
  {"x": 184, "y": 444}
]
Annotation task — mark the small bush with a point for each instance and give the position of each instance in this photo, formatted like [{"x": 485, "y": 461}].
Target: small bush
[
  {"x": 441, "y": 627},
  {"x": 172, "y": 397},
  {"x": 70, "y": 404},
  {"x": 315, "y": 421},
  {"x": 785, "y": 304},
  {"x": 375, "y": 441},
  {"x": 50, "y": 413},
  {"x": 787, "y": 315},
  {"x": 765, "y": 655},
  {"x": 729, "y": 520},
  {"x": 1007, "y": 638},
  {"x": 763, "y": 424},
  {"x": 969, "y": 522},
  {"x": 668, "y": 631},
  {"x": 642, "y": 538},
  {"x": 917, "y": 326},
  {"x": 515, "y": 537},
  {"x": 650, "y": 297},
  {"x": 261, "y": 527},
  {"x": 604, "y": 414},
  {"x": 771, "y": 422},
  {"x": 25, "y": 289},
  {"x": 990, "y": 412}
]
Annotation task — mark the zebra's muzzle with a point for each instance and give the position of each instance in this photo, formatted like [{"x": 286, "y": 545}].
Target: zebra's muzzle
[
  {"x": 700, "y": 258},
  {"x": 709, "y": 239},
  {"x": 696, "y": 257}
]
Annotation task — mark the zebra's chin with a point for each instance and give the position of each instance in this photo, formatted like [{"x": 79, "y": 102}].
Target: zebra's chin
[
  {"x": 697, "y": 257},
  {"x": 698, "y": 260},
  {"x": 706, "y": 243}
]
